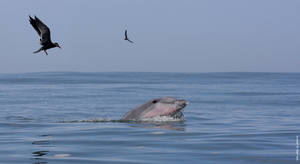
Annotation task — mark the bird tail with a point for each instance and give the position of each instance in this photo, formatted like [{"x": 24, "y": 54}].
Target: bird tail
[{"x": 37, "y": 51}]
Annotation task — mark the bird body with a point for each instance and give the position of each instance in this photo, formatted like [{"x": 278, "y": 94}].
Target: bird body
[{"x": 44, "y": 34}]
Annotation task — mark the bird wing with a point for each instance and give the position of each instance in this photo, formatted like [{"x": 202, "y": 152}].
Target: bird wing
[
  {"x": 33, "y": 23},
  {"x": 44, "y": 31},
  {"x": 125, "y": 34},
  {"x": 130, "y": 41}
]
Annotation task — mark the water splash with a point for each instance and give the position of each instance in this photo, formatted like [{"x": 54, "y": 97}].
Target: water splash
[{"x": 153, "y": 119}]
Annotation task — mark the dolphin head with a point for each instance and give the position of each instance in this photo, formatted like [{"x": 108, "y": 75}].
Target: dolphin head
[{"x": 166, "y": 106}]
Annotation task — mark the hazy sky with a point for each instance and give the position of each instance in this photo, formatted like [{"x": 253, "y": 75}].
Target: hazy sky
[{"x": 169, "y": 35}]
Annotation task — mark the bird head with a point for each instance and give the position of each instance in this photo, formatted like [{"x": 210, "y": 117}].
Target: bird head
[{"x": 57, "y": 45}]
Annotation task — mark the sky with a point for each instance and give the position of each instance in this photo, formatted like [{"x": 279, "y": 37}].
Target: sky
[{"x": 168, "y": 35}]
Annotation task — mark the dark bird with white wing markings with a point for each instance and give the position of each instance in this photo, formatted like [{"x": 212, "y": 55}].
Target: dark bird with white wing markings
[{"x": 44, "y": 33}]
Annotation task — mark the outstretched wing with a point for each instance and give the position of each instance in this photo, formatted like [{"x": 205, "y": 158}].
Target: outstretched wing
[
  {"x": 125, "y": 34},
  {"x": 44, "y": 31},
  {"x": 130, "y": 41},
  {"x": 32, "y": 22}
]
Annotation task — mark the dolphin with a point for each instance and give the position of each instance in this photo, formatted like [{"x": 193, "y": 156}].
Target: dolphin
[{"x": 166, "y": 106}]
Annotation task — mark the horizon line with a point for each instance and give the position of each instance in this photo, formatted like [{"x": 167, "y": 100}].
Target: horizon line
[{"x": 144, "y": 72}]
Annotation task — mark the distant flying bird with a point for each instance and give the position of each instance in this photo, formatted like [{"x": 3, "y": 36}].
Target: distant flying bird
[
  {"x": 126, "y": 38},
  {"x": 44, "y": 33}
]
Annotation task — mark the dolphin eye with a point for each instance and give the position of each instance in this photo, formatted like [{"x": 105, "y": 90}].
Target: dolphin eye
[{"x": 154, "y": 101}]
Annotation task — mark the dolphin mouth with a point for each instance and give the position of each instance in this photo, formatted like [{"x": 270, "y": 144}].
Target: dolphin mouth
[
  {"x": 181, "y": 104},
  {"x": 178, "y": 113}
]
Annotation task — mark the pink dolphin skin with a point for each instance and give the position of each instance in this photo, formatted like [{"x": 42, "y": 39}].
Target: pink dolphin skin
[{"x": 166, "y": 106}]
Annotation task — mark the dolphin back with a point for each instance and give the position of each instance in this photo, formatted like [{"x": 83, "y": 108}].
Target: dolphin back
[{"x": 137, "y": 113}]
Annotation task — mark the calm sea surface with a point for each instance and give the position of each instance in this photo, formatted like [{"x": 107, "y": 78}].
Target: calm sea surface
[{"x": 62, "y": 118}]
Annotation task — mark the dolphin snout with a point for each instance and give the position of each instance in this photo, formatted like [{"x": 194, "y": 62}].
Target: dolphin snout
[{"x": 182, "y": 103}]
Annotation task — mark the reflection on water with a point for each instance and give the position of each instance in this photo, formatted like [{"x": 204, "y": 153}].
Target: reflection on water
[
  {"x": 40, "y": 162},
  {"x": 42, "y": 142},
  {"x": 177, "y": 126},
  {"x": 41, "y": 156},
  {"x": 40, "y": 153},
  {"x": 18, "y": 118}
]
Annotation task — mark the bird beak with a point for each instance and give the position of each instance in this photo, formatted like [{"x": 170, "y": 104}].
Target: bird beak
[{"x": 59, "y": 47}]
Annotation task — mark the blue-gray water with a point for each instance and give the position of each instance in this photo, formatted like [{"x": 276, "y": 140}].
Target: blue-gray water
[{"x": 231, "y": 118}]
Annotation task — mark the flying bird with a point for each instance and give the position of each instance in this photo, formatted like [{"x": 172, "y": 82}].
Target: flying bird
[
  {"x": 44, "y": 33},
  {"x": 126, "y": 38}
]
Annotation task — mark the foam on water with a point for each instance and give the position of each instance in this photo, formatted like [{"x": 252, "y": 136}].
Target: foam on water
[
  {"x": 163, "y": 119},
  {"x": 92, "y": 120},
  {"x": 99, "y": 120}
]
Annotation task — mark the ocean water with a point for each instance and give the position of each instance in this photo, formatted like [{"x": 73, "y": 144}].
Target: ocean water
[{"x": 63, "y": 118}]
